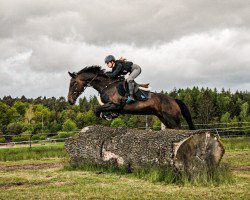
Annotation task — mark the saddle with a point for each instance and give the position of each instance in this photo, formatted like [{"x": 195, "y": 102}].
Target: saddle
[{"x": 141, "y": 91}]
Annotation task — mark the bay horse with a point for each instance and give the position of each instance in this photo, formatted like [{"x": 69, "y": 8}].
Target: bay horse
[{"x": 167, "y": 109}]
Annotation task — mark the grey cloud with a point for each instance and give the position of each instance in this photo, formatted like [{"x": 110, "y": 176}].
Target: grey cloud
[
  {"x": 133, "y": 22},
  {"x": 177, "y": 43}
]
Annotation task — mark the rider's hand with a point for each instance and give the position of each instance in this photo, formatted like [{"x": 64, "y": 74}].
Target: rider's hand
[{"x": 122, "y": 59}]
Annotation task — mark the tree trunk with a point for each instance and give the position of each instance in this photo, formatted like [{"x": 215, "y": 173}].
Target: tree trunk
[{"x": 188, "y": 151}]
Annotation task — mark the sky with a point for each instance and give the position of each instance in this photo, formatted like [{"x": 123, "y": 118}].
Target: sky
[{"x": 178, "y": 44}]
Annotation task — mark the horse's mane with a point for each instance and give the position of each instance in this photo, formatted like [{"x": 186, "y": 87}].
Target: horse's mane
[{"x": 92, "y": 69}]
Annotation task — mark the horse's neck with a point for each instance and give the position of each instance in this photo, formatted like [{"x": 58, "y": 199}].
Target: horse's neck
[{"x": 101, "y": 83}]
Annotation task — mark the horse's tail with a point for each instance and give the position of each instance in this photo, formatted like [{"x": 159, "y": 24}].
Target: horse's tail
[{"x": 186, "y": 113}]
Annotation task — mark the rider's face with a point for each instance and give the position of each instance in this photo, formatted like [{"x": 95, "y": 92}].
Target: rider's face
[{"x": 110, "y": 64}]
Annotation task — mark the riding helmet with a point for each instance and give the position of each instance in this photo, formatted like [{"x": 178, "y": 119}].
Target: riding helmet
[{"x": 109, "y": 58}]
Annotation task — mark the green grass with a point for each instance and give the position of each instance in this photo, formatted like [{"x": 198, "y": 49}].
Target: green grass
[
  {"x": 164, "y": 175},
  {"x": 58, "y": 183},
  {"x": 34, "y": 153},
  {"x": 100, "y": 182},
  {"x": 236, "y": 143},
  {"x": 237, "y": 159},
  {"x": 31, "y": 161}
]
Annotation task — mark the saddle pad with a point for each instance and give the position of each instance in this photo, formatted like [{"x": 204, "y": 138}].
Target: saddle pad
[{"x": 140, "y": 95}]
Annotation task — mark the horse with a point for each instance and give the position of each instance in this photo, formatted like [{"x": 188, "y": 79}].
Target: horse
[{"x": 167, "y": 109}]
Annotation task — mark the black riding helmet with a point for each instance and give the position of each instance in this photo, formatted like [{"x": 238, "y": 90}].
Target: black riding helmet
[{"x": 109, "y": 58}]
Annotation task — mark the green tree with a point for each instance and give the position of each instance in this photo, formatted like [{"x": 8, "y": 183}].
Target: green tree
[
  {"x": 80, "y": 120},
  {"x": 246, "y": 125},
  {"x": 84, "y": 105},
  {"x": 13, "y": 115},
  {"x": 71, "y": 114},
  {"x": 21, "y": 107},
  {"x": 206, "y": 107},
  {"x": 3, "y": 116},
  {"x": 89, "y": 118},
  {"x": 234, "y": 122},
  {"x": 27, "y": 127},
  {"x": 244, "y": 111},
  {"x": 69, "y": 125},
  {"x": 54, "y": 127},
  {"x": 42, "y": 114},
  {"x": 225, "y": 118}
]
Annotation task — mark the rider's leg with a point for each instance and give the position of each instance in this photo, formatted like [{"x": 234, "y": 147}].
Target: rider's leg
[
  {"x": 136, "y": 70},
  {"x": 131, "y": 89}
]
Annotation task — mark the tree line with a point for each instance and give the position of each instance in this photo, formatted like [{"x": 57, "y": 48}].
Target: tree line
[{"x": 21, "y": 118}]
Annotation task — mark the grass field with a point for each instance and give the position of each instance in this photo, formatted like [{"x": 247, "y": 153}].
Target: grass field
[{"x": 42, "y": 173}]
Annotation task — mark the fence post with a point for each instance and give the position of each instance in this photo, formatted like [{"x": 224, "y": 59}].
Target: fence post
[
  {"x": 30, "y": 140},
  {"x": 217, "y": 133}
]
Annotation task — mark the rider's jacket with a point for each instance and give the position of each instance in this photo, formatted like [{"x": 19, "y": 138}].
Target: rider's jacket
[{"x": 120, "y": 68}]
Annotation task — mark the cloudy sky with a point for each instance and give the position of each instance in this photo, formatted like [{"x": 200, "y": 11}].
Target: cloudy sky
[{"x": 178, "y": 44}]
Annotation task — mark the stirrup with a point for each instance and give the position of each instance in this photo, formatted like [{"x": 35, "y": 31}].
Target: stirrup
[{"x": 129, "y": 100}]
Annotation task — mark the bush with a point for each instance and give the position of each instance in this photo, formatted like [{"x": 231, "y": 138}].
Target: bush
[
  {"x": 65, "y": 134},
  {"x": 132, "y": 122},
  {"x": 157, "y": 125},
  {"x": 2, "y": 140},
  {"x": 43, "y": 137},
  {"x": 35, "y": 137},
  {"x": 14, "y": 129},
  {"x": 20, "y": 138},
  {"x": 117, "y": 122},
  {"x": 39, "y": 137}
]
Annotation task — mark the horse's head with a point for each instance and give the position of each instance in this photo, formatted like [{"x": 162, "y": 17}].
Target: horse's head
[
  {"x": 76, "y": 87},
  {"x": 79, "y": 81}
]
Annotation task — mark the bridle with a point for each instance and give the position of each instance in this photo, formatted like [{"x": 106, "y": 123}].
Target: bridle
[
  {"x": 89, "y": 83},
  {"x": 77, "y": 92}
]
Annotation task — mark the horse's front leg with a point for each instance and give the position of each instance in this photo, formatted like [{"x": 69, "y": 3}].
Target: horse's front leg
[{"x": 105, "y": 111}]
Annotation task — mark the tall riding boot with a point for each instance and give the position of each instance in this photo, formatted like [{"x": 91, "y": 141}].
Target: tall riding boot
[{"x": 131, "y": 90}]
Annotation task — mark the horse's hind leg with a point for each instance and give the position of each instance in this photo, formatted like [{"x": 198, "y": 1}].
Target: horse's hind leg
[{"x": 169, "y": 121}]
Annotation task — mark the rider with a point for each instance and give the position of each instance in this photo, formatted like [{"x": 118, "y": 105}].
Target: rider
[{"x": 122, "y": 67}]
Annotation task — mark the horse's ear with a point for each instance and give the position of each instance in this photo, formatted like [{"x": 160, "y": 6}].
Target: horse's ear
[{"x": 73, "y": 75}]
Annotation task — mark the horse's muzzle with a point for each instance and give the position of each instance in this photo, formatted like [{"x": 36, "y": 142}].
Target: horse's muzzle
[{"x": 71, "y": 100}]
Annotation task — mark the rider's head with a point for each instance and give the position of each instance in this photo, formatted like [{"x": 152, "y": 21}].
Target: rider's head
[{"x": 110, "y": 61}]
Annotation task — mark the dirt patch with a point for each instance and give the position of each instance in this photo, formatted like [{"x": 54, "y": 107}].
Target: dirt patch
[
  {"x": 236, "y": 154},
  {"x": 31, "y": 166},
  {"x": 9, "y": 185},
  {"x": 21, "y": 184},
  {"x": 241, "y": 168}
]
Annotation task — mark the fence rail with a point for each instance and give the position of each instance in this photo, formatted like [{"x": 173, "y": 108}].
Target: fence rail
[{"x": 227, "y": 130}]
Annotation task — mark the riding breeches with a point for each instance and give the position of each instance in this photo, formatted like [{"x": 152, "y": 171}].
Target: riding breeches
[{"x": 136, "y": 70}]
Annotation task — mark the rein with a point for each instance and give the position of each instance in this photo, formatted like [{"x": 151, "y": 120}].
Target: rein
[
  {"x": 118, "y": 80},
  {"x": 88, "y": 85}
]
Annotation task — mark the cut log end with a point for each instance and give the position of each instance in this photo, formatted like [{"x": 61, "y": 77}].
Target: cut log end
[{"x": 198, "y": 152}]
